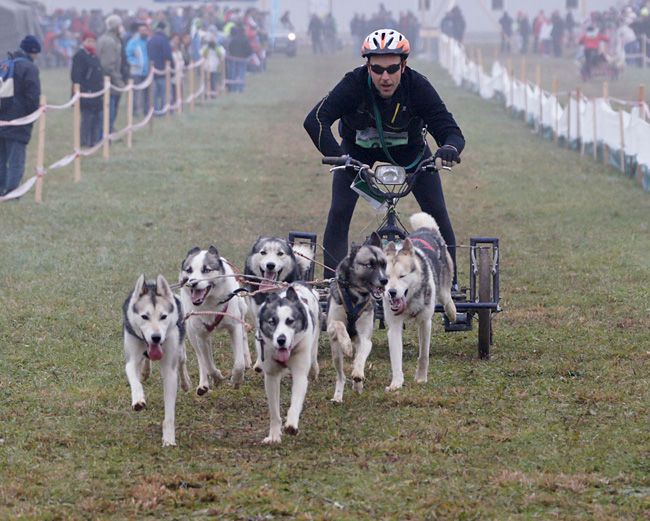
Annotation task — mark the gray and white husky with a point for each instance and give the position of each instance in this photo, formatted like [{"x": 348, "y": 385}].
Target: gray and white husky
[
  {"x": 289, "y": 328},
  {"x": 208, "y": 284},
  {"x": 360, "y": 280},
  {"x": 273, "y": 260},
  {"x": 153, "y": 330},
  {"x": 419, "y": 275}
]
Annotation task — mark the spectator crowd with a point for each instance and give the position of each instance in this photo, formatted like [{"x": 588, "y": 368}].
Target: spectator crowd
[{"x": 406, "y": 23}]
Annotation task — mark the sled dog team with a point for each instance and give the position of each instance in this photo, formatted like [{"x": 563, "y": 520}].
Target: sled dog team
[{"x": 409, "y": 281}]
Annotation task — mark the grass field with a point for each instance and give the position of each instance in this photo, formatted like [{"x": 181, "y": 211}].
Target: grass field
[{"x": 556, "y": 425}]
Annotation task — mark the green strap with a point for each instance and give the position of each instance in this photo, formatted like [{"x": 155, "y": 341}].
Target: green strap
[{"x": 380, "y": 131}]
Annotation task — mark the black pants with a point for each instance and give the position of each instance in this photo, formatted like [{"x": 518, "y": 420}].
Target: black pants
[{"x": 427, "y": 192}]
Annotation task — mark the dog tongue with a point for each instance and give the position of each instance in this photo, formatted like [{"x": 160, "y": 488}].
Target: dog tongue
[
  {"x": 155, "y": 352},
  {"x": 198, "y": 295},
  {"x": 269, "y": 277},
  {"x": 398, "y": 305},
  {"x": 282, "y": 355}
]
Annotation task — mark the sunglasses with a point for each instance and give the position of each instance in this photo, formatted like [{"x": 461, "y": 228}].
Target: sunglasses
[{"x": 391, "y": 69}]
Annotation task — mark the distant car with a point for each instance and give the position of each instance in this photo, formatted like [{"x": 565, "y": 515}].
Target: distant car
[{"x": 283, "y": 41}]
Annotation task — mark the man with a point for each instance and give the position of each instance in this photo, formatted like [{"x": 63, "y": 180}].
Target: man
[
  {"x": 27, "y": 93},
  {"x": 406, "y": 103},
  {"x": 506, "y": 32},
  {"x": 160, "y": 54},
  {"x": 138, "y": 58},
  {"x": 109, "y": 52},
  {"x": 88, "y": 73}
]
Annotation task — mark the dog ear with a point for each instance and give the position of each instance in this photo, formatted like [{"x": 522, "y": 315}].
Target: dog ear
[
  {"x": 213, "y": 250},
  {"x": 407, "y": 246},
  {"x": 391, "y": 249},
  {"x": 162, "y": 287},
  {"x": 374, "y": 240},
  {"x": 193, "y": 251},
  {"x": 139, "y": 289},
  {"x": 292, "y": 295}
]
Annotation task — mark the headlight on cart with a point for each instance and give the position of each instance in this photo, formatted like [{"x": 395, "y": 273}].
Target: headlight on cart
[
  {"x": 291, "y": 37},
  {"x": 390, "y": 174}
]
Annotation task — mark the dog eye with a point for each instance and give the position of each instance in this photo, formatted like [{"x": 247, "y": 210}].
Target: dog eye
[
  {"x": 188, "y": 269},
  {"x": 144, "y": 317},
  {"x": 205, "y": 269},
  {"x": 402, "y": 276},
  {"x": 289, "y": 321},
  {"x": 271, "y": 321},
  {"x": 262, "y": 252},
  {"x": 280, "y": 253},
  {"x": 163, "y": 316}
]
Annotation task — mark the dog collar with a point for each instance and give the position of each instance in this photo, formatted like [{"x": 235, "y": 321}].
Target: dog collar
[{"x": 424, "y": 244}]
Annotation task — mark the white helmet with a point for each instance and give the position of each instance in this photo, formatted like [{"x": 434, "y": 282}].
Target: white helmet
[{"x": 385, "y": 41}]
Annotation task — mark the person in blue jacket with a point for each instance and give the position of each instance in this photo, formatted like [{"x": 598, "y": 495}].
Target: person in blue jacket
[
  {"x": 406, "y": 103},
  {"x": 27, "y": 93},
  {"x": 160, "y": 54}
]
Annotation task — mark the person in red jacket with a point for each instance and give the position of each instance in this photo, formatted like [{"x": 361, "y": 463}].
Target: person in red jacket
[{"x": 590, "y": 42}]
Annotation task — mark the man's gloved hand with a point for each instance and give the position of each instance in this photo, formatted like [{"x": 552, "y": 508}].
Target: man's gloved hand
[{"x": 446, "y": 155}]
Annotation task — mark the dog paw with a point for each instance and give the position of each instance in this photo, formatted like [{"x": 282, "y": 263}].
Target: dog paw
[
  {"x": 169, "y": 443},
  {"x": 292, "y": 430},
  {"x": 258, "y": 366},
  {"x": 394, "y": 386},
  {"x": 202, "y": 389},
  {"x": 217, "y": 377},
  {"x": 139, "y": 406},
  {"x": 271, "y": 440},
  {"x": 358, "y": 386},
  {"x": 314, "y": 371},
  {"x": 185, "y": 384},
  {"x": 337, "y": 400},
  {"x": 237, "y": 380},
  {"x": 358, "y": 376},
  {"x": 421, "y": 379}
]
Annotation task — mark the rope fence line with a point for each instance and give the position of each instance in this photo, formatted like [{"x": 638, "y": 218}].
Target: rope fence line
[
  {"x": 593, "y": 126},
  {"x": 188, "y": 72}
]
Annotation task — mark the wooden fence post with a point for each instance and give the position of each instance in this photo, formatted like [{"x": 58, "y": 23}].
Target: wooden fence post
[
  {"x": 524, "y": 78},
  {"x": 639, "y": 171},
  {"x": 578, "y": 129},
  {"x": 40, "y": 153},
  {"x": 622, "y": 152},
  {"x": 152, "y": 92},
  {"x": 512, "y": 85},
  {"x": 538, "y": 80},
  {"x": 129, "y": 114},
  {"x": 595, "y": 127},
  {"x": 557, "y": 111},
  {"x": 76, "y": 133},
  {"x": 605, "y": 145},
  {"x": 192, "y": 72},
  {"x": 644, "y": 51},
  {"x": 179, "y": 90},
  {"x": 107, "y": 114},
  {"x": 168, "y": 88}
]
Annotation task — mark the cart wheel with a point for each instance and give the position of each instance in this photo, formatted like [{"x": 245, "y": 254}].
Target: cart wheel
[{"x": 484, "y": 295}]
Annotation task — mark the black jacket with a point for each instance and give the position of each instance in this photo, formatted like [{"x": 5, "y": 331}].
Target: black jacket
[
  {"x": 27, "y": 92},
  {"x": 414, "y": 105},
  {"x": 88, "y": 73}
]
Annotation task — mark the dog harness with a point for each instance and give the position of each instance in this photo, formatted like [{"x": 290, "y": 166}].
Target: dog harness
[
  {"x": 426, "y": 245},
  {"x": 217, "y": 319},
  {"x": 352, "y": 311}
]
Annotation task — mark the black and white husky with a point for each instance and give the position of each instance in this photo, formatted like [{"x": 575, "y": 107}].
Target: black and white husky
[
  {"x": 360, "y": 280},
  {"x": 153, "y": 330},
  {"x": 208, "y": 284},
  {"x": 419, "y": 275},
  {"x": 272, "y": 260},
  {"x": 289, "y": 328}
]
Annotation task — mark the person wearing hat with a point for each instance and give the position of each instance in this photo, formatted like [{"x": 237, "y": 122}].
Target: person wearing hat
[
  {"x": 88, "y": 73},
  {"x": 27, "y": 93},
  {"x": 384, "y": 96},
  {"x": 109, "y": 52}
]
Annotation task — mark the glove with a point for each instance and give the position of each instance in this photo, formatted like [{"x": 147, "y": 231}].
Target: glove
[{"x": 446, "y": 156}]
